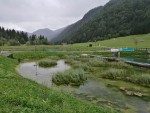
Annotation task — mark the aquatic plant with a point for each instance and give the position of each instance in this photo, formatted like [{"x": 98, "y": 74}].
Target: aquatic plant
[
  {"x": 95, "y": 62},
  {"x": 47, "y": 63},
  {"x": 142, "y": 79},
  {"x": 71, "y": 77},
  {"x": 113, "y": 73},
  {"x": 119, "y": 65}
]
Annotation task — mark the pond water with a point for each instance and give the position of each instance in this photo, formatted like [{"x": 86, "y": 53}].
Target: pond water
[
  {"x": 43, "y": 76},
  {"x": 137, "y": 59},
  {"x": 99, "y": 93},
  {"x": 95, "y": 91},
  {"x": 141, "y": 60}
]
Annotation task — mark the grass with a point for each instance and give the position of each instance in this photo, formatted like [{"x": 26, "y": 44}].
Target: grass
[
  {"x": 142, "y": 79},
  {"x": 120, "y": 42},
  {"x": 119, "y": 74},
  {"x": 22, "y": 95},
  {"x": 72, "y": 77},
  {"x": 113, "y": 73},
  {"x": 112, "y": 70},
  {"x": 47, "y": 63},
  {"x": 97, "y": 63},
  {"x": 128, "y": 41},
  {"x": 119, "y": 65},
  {"x": 38, "y": 55}
]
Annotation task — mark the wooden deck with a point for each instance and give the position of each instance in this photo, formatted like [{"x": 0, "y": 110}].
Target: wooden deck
[{"x": 146, "y": 65}]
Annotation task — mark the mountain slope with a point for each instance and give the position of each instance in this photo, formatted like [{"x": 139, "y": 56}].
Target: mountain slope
[
  {"x": 72, "y": 29},
  {"x": 116, "y": 18},
  {"x": 48, "y": 33},
  {"x": 45, "y": 32}
]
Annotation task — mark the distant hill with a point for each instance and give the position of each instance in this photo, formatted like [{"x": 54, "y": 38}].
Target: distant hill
[
  {"x": 50, "y": 34},
  {"x": 116, "y": 18}
]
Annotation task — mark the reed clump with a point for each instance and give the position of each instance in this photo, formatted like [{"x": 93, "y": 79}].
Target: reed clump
[
  {"x": 71, "y": 77},
  {"x": 47, "y": 63}
]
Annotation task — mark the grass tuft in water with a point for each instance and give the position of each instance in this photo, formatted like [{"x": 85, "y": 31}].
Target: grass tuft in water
[
  {"x": 113, "y": 73},
  {"x": 97, "y": 63},
  {"x": 142, "y": 79},
  {"x": 119, "y": 65},
  {"x": 71, "y": 77},
  {"x": 47, "y": 63}
]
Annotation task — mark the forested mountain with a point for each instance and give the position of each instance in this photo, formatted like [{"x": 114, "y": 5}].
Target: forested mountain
[
  {"x": 12, "y": 37},
  {"x": 116, "y": 18},
  {"x": 50, "y": 34}
]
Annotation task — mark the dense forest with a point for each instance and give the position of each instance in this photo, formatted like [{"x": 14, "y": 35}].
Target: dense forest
[
  {"x": 116, "y": 18},
  {"x": 12, "y": 38}
]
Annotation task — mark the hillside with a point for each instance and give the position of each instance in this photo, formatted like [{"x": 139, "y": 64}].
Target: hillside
[
  {"x": 117, "y": 18},
  {"x": 50, "y": 34},
  {"x": 135, "y": 41},
  {"x": 143, "y": 41}
]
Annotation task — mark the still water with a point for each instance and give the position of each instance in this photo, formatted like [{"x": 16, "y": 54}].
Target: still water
[
  {"x": 141, "y": 60},
  {"x": 32, "y": 71},
  {"x": 95, "y": 91}
]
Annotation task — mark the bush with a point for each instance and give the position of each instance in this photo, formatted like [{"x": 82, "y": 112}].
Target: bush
[
  {"x": 13, "y": 42},
  {"x": 113, "y": 73},
  {"x": 71, "y": 77},
  {"x": 90, "y": 45},
  {"x": 47, "y": 63}
]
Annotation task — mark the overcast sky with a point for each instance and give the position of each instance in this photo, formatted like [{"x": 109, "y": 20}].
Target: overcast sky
[{"x": 30, "y": 15}]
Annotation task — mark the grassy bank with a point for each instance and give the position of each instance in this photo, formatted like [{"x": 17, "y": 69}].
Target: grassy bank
[
  {"x": 21, "y": 95},
  {"x": 38, "y": 55}
]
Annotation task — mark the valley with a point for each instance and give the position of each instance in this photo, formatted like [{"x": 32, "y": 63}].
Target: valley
[{"x": 55, "y": 58}]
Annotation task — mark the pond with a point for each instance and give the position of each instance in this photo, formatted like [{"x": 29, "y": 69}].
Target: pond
[
  {"x": 95, "y": 91},
  {"x": 99, "y": 93},
  {"x": 32, "y": 71}
]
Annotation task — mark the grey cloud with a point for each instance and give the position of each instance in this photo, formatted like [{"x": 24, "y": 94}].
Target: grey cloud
[{"x": 30, "y": 15}]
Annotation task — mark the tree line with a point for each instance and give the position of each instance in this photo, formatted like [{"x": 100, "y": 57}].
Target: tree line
[{"x": 13, "y": 38}]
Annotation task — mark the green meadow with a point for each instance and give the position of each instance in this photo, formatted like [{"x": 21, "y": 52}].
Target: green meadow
[{"x": 133, "y": 41}]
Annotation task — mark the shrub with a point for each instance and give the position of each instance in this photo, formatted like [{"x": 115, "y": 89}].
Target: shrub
[
  {"x": 71, "y": 77},
  {"x": 13, "y": 42},
  {"x": 90, "y": 45},
  {"x": 47, "y": 63}
]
